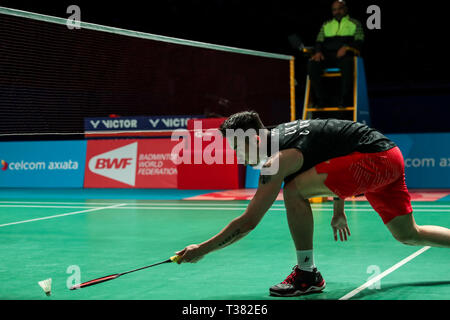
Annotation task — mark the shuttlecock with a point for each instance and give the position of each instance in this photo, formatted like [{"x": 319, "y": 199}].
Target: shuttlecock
[{"x": 46, "y": 285}]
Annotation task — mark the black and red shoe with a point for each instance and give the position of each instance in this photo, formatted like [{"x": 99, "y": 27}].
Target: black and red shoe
[{"x": 299, "y": 282}]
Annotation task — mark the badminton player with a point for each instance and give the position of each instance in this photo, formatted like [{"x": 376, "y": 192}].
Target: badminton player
[{"x": 336, "y": 158}]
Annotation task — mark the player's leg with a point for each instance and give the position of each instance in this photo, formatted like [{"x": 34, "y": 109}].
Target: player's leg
[
  {"x": 299, "y": 217},
  {"x": 393, "y": 203},
  {"x": 311, "y": 184},
  {"x": 305, "y": 278},
  {"x": 296, "y": 193},
  {"x": 405, "y": 230}
]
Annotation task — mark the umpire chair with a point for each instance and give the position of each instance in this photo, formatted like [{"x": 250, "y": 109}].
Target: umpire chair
[{"x": 358, "y": 111}]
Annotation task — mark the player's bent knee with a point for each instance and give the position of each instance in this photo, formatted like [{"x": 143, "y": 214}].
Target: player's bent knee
[
  {"x": 404, "y": 229},
  {"x": 410, "y": 238},
  {"x": 289, "y": 187},
  {"x": 293, "y": 200},
  {"x": 291, "y": 191}
]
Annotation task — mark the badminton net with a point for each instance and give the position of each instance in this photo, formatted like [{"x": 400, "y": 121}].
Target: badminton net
[{"x": 53, "y": 77}]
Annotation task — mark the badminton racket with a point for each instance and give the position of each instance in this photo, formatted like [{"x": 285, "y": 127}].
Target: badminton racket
[{"x": 116, "y": 275}]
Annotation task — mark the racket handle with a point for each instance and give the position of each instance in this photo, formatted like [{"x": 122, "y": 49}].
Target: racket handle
[{"x": 175, "y": 258}]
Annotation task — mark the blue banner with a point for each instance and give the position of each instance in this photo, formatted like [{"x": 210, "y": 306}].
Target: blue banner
[
  {"x": 48, "y": 164},
  {"x": 427, "y": 159},
  {"x": 138, "y": 123}
]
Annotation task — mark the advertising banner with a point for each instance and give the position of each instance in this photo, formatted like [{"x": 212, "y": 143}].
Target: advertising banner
[
  {"x": 168, "y": 123},
  {"x": 130, "y": 163},
  {"x": 42, "y": 164},
  {"x": 427, "y": 159}
]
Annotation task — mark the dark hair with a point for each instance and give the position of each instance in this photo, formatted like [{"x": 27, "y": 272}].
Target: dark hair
[{"x": 242, "y": 120}]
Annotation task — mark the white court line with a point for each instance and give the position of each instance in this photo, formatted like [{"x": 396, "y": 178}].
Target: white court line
[
  {"x": 272, "y": 208},
  {"x": 349, "y": 207},
  {"x": 41, "y": 206},
  {"x": 133, "y": 203},
  {"x": 170, "y": 208},
  {"x": 150, "y": 202},
  {"x": 383, "y": 274},
  {"x": 183, "y": 207},
  {"x": 62, "y": 215},
  {"x": 125, "y": 208},
  {"x": 195, "y": 208},
  {"x": 56, "y": 202},
  {"x": 413, "y": 205}
]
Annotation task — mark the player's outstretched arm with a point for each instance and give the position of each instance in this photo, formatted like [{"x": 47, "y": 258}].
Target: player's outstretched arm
[{"x": 268, "y": 190}]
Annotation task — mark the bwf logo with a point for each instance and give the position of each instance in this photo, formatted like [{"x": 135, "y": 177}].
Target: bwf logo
[
  {"x": 113, "y": 163},
  {"x": 118, "y": 164}
]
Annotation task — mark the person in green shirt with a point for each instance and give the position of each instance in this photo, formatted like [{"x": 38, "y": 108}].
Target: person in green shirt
[{"x": 336, "y": 44}]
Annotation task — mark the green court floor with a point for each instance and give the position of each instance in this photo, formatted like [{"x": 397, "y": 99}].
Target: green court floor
[{"x": 55, "y": 239}]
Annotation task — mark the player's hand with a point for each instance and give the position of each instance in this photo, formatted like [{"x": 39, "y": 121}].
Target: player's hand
[
  {"x": 339, "y": 224},
  {"x": 190, "y": 254},
  {"x": 318, "y": 57},
  {"x": 341, "y": 52}
]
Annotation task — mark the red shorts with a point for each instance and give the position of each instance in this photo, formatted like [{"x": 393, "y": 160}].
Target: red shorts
[{"x": 379, "y": 176}]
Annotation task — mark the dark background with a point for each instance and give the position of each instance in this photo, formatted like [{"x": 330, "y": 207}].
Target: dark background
[{"x": 406, "y": 61}]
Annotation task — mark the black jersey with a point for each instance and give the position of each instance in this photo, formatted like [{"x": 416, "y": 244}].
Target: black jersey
[{"x": 320, "y": 140}]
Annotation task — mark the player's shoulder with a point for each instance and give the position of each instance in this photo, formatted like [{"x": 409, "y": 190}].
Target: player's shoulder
[{"x": 287, "y": 160}]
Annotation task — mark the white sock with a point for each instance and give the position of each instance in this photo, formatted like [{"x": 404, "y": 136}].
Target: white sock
[{"x": 305, "y": 260}]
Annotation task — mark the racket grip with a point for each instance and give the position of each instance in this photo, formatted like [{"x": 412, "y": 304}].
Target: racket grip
[{"x": 175, "y": 258}]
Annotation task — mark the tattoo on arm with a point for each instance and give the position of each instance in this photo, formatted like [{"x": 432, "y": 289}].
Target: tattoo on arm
[
  {"x": 266, "y": 178},
  {"x": 230, "y": 239}
]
